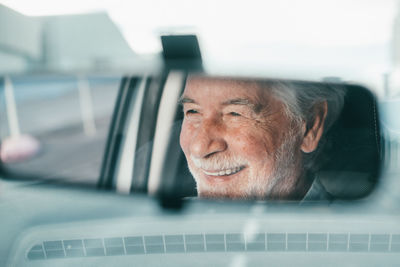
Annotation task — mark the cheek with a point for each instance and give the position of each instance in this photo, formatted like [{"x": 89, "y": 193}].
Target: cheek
[
  {"x": 252, "y": 144},
  {"x": 271, "y": 132},
  {"x": 185, "y": 137}
]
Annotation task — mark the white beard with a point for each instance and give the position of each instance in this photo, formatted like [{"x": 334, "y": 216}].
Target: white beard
[{"x": 280, "y": 181}]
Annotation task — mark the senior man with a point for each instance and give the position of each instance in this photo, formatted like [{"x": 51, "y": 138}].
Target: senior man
[{"x": 257, "y": 139}]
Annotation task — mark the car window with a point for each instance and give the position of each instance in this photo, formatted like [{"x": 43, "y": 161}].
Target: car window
[{"x": 56, "y": 126}]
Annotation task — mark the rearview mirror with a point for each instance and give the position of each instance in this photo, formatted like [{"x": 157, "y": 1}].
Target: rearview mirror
[{"x": 212, "y": 137}]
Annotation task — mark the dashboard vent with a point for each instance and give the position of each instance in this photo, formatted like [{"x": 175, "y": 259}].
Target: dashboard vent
[{"x": 227, "y": 242}]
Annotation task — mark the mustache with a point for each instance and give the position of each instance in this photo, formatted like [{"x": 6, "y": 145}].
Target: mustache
[{"x": 217, "y": 163}]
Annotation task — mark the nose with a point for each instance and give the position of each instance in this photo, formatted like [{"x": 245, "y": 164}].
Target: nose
[{"x": 208, "y": 140}]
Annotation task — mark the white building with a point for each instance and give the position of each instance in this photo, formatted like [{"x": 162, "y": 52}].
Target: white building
[{"x": 70, "y": 43}]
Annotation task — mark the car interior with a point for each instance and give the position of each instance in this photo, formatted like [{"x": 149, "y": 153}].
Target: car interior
[{"x": 92, "y": 106}]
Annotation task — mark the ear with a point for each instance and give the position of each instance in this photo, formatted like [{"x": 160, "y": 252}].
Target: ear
[{"x": 313, "y": 134}]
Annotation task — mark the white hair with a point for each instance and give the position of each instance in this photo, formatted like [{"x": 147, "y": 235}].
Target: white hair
[{"x": 301, "y": 99}]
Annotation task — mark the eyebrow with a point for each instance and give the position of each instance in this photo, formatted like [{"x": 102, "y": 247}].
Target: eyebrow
[
  {"x": 245, "y": 102},
  {"x": 237, "y": 101},
  {"x": 183, "y": 99}
]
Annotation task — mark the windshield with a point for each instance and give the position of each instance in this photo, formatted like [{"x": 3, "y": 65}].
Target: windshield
[
  {"x": 308, "y": 39},
  {"x": 183, "y": 133}
]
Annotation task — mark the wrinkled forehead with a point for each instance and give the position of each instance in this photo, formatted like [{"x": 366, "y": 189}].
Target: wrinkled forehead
[{"x": 221, "y": 87}]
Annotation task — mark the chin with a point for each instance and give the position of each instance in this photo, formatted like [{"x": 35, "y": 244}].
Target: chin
[
  {"x": 229, "y": 188},
  {"x": 212, "y": 195},
  {"x": 222, "y": 193}
]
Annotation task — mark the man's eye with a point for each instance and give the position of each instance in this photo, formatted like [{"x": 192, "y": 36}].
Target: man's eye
[
  {"x": 191, "y": 111},
  {"x": 234, "y": 114}
]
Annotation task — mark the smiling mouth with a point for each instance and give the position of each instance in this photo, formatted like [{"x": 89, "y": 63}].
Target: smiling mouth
[{"x": 226, "y": 172}]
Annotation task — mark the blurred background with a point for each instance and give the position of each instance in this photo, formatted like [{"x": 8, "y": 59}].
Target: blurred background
[
  {"x": 355, "y": 41},
  {"x": 61, "y": 62}
]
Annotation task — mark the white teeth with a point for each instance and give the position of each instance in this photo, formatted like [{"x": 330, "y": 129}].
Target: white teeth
[{"x": 224, "y": 172}]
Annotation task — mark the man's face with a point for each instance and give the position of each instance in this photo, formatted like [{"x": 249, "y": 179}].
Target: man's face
[{"x": 236, "y": 139}]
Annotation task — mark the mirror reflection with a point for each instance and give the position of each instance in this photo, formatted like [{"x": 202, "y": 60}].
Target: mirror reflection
[
  {"x": 55, "y": 126},
  {"x": 198, "y": 135},
  {"x": 275, "y": 139}
]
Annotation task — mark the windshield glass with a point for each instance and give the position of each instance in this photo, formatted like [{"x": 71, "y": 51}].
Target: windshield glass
[
  {"x": 199, "y": 133},
  {"x": 309, "y": 39},
  {"x": 277, "y": 42}
]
